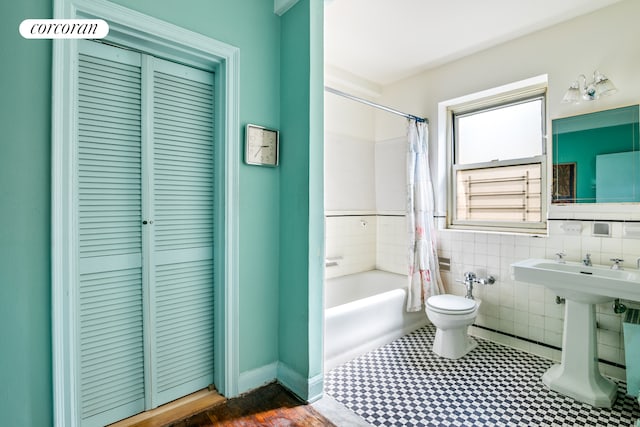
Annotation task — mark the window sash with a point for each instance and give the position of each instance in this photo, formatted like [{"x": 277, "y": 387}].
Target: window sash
[
  {"x": 518, "y": 196},
  {"x": 497, "y": 225},
  {"x": 458, "y": 114}
]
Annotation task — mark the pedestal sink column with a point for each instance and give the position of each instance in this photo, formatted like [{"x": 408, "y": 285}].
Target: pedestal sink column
[{"x": 578, "y": 376}]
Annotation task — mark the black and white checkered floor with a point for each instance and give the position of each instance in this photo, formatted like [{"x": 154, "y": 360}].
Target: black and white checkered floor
[{"x": 405, "y": 384}]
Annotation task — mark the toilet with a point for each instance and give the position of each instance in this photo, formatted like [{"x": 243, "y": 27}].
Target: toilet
[{"x": 452, "y": 315}]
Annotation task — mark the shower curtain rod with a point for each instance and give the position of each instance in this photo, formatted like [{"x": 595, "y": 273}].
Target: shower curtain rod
[{"x": 373, "y": 104}]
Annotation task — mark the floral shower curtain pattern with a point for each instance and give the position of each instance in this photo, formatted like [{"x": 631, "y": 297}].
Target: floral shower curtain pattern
[{"x": 424, "y": 273}]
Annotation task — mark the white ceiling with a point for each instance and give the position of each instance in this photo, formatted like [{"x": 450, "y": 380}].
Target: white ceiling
[{"x": 383, "y": 41}]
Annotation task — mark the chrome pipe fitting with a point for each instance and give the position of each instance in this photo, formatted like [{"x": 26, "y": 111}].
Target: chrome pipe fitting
[{"x": 619, "y": 307}]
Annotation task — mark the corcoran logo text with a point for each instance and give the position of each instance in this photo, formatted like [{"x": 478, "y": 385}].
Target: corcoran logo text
[{"x": 64, "y": 29}]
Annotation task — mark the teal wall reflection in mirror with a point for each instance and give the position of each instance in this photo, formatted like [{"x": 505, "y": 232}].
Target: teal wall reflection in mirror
[{"x": 596, "y": 157}]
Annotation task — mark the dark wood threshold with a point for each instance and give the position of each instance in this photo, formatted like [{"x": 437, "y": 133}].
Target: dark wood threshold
[
  {"x": 174, "y": 411},
  {"x": 271, "y": 405}
]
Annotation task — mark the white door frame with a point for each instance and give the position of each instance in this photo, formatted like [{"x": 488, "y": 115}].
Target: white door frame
[{"x": 137, "y": 31}]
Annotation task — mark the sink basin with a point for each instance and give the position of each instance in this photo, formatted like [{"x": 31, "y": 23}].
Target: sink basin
[
  {"x": 577, "y": 375},
  {"x": 572, "y": 280}
]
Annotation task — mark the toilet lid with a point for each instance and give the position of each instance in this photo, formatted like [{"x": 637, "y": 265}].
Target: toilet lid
[{"x": 451, "y": 304}]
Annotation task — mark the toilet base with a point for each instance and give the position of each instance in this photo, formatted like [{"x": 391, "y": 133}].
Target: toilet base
[{"x": 453, "y": 343}]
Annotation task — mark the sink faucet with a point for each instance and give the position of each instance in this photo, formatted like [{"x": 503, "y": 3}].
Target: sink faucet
[{"x": 587, "y": 260}]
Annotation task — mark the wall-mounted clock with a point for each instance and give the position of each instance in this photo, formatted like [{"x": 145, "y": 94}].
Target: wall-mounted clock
[{"x": 261, "y": 146}]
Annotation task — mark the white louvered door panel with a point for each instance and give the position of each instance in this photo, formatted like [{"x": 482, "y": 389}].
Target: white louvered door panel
[
  {"x": 110, "y": 356},
  {"x": 182, "y": 211}
]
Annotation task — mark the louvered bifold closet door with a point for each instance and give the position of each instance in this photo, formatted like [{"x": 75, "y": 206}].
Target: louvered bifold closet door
[
  {"x": 110, "y": 363},
  {"x": 182, "y": 206}
]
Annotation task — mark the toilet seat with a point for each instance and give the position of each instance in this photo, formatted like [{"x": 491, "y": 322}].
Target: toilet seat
[{"x": 451, "y": 304}]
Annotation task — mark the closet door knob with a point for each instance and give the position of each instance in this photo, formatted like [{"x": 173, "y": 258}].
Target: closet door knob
[{"x": 145, "y": 222}]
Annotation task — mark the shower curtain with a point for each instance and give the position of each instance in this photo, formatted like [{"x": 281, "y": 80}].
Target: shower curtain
[{"x": 424, "y": 273}]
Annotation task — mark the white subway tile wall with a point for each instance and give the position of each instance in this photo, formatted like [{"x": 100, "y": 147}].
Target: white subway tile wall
[
  {"x": 350, "y": 241},
  {"x": 527, "y": 310},
  {"x": 521, "y": 309},
  {"x": 391, "y": 245}
]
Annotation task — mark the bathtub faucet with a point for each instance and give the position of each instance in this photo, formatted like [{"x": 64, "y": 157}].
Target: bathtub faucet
[{"x": 470, "y": 278}]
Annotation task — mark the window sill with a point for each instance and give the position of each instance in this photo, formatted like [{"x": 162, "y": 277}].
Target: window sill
[{"x": 541, "y": 231}]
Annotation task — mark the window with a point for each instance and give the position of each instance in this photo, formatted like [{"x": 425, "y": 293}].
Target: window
[{"x": 498, "y": 161}]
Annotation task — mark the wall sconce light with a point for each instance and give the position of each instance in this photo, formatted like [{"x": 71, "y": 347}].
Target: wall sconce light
[{"x": 581, "y": 90}]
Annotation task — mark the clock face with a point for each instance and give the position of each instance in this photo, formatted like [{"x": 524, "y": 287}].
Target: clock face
[{"x": 261, "y": 146}]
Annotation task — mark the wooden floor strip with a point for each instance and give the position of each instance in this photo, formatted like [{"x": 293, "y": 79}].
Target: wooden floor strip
[{"x": 174, "y": 411}]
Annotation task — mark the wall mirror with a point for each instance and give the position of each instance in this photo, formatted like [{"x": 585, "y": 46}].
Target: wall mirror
[{"x": 596, "y": 157}]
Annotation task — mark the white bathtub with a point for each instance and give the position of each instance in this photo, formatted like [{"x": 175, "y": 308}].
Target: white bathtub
[{"x": 364, "y": 311}]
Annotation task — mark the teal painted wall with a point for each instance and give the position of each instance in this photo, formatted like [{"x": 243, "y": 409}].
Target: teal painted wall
[
  {"x": 25, "y": 283},
  {"x": 25, "y": 279},
  {"x": 301, "y": 189},
  {"x": 316, "y": 194}
]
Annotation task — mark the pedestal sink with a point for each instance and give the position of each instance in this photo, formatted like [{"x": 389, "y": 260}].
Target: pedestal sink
[{"x": 577, "y": 375}]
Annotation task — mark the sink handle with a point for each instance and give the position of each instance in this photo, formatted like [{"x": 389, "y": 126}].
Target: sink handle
[
  {"x": 560, "y": 257},
  {"x": 616, "y": 263}
]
